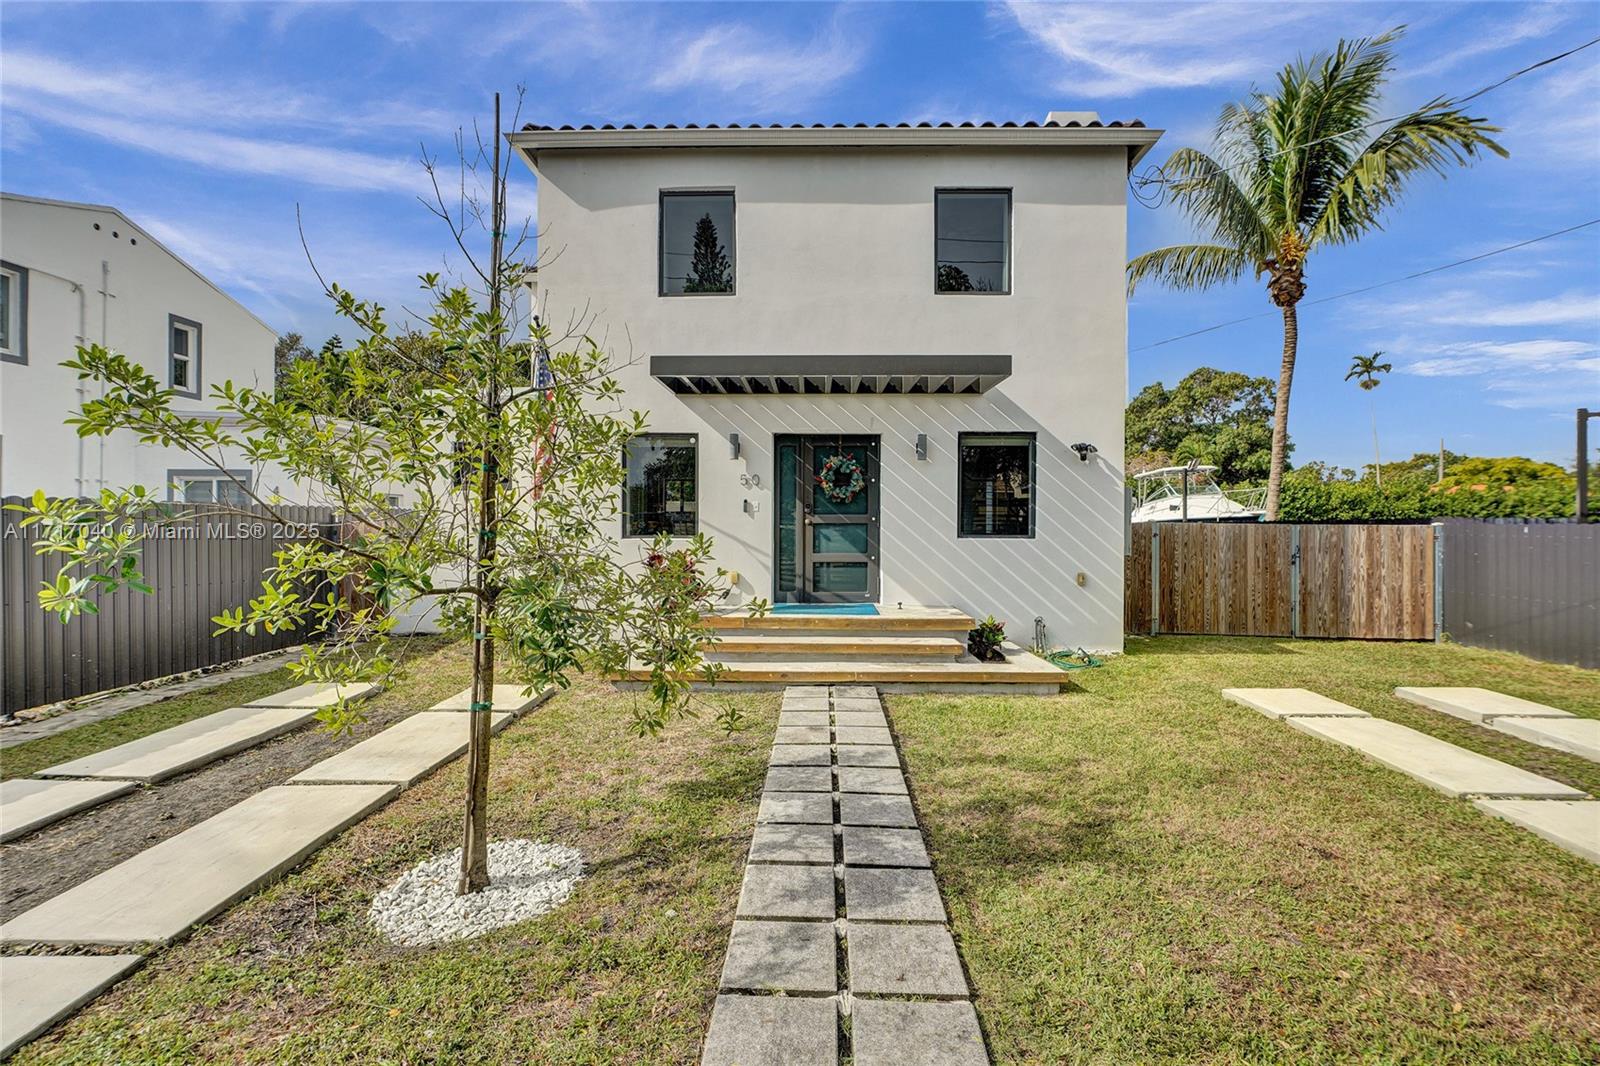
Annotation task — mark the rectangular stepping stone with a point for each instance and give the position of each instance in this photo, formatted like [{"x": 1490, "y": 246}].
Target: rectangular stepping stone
[
  {"x": 160, "y": 893},
  {"x": 857, "y": 809},
  {"x": 903, "y": 960},
  {"x": 891, "y": 895},
  {"x": 872, "y": 846},
  {"x": 40, "y": 990},
  {"x": 855, "y": 692},
  {"x": 316, "y": 695},
  {"x": 813, "y": 807},
  {"x": 851, "y": 734},
  {"x": 26, "y": 805},
  {"x": 792, "y": 842},
  {"x": 1452, "y": 770},
  {"x": 872, "y": 779},
  {"x": 787, "y": 892},
  {"x": 847, "y": 705},
  {"x": 881, "y": 755},
  {"x": 799, "y": 779},
  {"x": 892, "y": 1032},
  {"x": 781, "y": 956},
  {"x": 801, "y": 755},
  {"x": 1577, "y": 736},
  {"x": 1291, "y": 703},
  {"x": 800, "y": 734},
  {"x": 403, "y": 754},
  {"x": 772, "y": 1031},
  {"x": 188, "y": 746},
  {"x": 791, "y": 719},
  {"x": 869, "y": 719},
  {"x": 805, "y": 703},
  {"x": 1478, "y": 705},
  {"x": 1570, "y": 824},
  {"x": 817, "y": 691},
  {"x": 508, "y": 699}
]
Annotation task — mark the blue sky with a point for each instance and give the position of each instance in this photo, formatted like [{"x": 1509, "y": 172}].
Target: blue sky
[{"x": 209, "y": 123}]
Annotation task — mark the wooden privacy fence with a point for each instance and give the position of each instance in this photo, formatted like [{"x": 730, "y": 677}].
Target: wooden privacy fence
[
  {"x": 1373, "y": 582},
  {"x": 197, "y": 565}
]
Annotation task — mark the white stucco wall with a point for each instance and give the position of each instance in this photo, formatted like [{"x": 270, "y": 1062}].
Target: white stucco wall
[
  {"x": 63, "y": 252},
  {"x": 835, "y": 256}
]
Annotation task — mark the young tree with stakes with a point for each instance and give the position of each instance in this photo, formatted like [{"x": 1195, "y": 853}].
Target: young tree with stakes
[
  {"x": 1307, "y": 166},
  {"x": 513, "y": 472},
  {"x": 1368, "y": 373}
]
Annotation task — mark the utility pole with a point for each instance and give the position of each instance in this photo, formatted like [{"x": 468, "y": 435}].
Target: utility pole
[
  {"x": 1584, "y": 414},
  {"x": 1441, "y": 460}
]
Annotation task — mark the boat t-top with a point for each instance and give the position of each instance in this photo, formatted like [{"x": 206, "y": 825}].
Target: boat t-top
[{"x": 1191, "y": 494}]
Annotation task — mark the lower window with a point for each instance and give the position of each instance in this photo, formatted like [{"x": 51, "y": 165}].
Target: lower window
[
  {"x": 660, "y": 491},
  {"x": 210, "y": 487},
  {"x": 996, "y": 492}
]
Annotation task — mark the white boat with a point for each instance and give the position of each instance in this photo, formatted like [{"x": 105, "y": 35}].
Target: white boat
[{"x": 1162, "y": 496}]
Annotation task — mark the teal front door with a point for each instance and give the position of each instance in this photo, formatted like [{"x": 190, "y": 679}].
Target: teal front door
[{"x": 827, "y": 520}]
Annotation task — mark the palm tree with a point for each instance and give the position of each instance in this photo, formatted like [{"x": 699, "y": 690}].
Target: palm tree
[
  {"x": 1306, "y": 166},
  {"x": 1366, "y": 370}
]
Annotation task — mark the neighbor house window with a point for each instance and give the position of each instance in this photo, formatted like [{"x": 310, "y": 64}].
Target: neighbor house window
[
  {"x": 696, "y": 243},
  {"x": 996, "y": 497},
  {"x": 660, "y": 492},
  {"x": 972, "y": 240},
  {"x": 183, "y": 359},
  {"x": 13, "y": 313},
  {"x": 209, "y": 486}
]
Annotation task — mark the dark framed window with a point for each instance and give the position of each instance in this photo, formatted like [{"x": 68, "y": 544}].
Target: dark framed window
[
  {"x": 183, "y": 355},
  {"x": 972, "y": 241},
  {"x": 209, "y": 486},
  {"x": 697, "y": 245},
  {"x": 13, "y": 313},
  {"x": 660, "y": 489},
  {"x": 996, "y": 495}
]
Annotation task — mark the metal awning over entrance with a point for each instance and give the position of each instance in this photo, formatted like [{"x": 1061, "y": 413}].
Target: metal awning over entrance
[{"x": 921, "y": 375}]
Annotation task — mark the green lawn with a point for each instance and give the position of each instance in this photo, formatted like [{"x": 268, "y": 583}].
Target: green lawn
[
  {"x": 1136, "y": 870},
  {"x": 1142, "y": 872}
]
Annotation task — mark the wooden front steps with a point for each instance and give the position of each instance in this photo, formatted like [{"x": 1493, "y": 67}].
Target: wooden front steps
[
  {"x": 889, "y": 620},
  {"x": 783, "y": 643},
  {"x": 1022, "y": 669}
]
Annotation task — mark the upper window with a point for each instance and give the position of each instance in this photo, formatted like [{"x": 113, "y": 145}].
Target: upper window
[
  {"x": 210, "y": 487},
  {"x": 696, "y": 243},
  {"x": 972, "y": 240},
  {"x": 13, "y": 313},
  {"x": 659, "y": 493},
  {"x": 183, "y": 359},
  {"x": 996, "y": 497}
]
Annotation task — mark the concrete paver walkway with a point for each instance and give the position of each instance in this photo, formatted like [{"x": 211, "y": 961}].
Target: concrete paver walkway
[
  {"x": 839, "y": 914},
  {"x": 160, "y": 893},
  {"x": 1570, "y": 824},
  {"x": 26, "y": 805},
  {"x": 403, "y": 754},
  {"x": 1536, "y": 723},
  {"x": 316, "y": 695},
  {"x": 188, "y": 746},
  {"x": 40, "y": 990}
]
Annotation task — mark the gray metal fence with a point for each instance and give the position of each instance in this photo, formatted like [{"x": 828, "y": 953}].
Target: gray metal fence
[
  {"x": 198, "y": 565},
  {"x": 1529, "y": 587}
]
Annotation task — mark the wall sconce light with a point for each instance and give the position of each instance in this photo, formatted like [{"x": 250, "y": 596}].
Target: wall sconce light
[
  {"x": 1084, "y": 451},
  {"x": 733, "y": 445},
  {"x": 922, "y": 445}
]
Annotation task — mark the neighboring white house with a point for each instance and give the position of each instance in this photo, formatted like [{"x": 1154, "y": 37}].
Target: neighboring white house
[
  {"x": 74, "y": 274},
  {"x": 880, "y": 364}
]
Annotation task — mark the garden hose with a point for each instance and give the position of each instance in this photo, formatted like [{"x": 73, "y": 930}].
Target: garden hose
[{"x": 1072, "y": 660}]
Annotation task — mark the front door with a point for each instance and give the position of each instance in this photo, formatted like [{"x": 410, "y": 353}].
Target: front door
[{"x": 827, "y": 520}]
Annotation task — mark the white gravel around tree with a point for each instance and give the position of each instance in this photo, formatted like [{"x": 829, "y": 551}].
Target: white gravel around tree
[{"x": 527, "y": 878}]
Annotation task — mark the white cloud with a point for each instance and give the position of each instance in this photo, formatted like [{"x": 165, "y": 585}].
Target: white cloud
[
  {"x": 1124, "y": 49},
  {"x": 736, "y": 59},
  {"x": 1465, "y": 307},
  {"x": 1535, "y": 356},
  {"x": 1530, "y": 23}
]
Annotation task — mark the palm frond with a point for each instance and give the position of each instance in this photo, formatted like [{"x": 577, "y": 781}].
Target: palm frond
[
  {"x": 1188, "y": 266},
  {"x": 1433, "y": 138},
  {"x": 1207, "y": 191}
]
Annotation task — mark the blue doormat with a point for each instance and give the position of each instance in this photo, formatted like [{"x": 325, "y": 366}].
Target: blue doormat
[{"x": 824, "y": 608}]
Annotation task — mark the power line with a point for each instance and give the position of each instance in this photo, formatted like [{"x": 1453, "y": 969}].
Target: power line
[
  {"x": 1143, "y": 181},
  {"x": 1375, "y": 285}
]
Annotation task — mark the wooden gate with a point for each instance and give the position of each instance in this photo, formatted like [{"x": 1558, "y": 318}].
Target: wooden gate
[{"x": 1372, "y": 582}]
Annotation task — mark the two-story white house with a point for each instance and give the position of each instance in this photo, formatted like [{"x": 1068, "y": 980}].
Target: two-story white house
[
  {"x": 72, "y": 274},
  {"x": 882, "y": 365}
]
